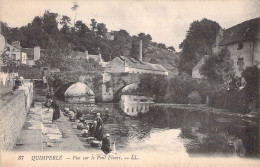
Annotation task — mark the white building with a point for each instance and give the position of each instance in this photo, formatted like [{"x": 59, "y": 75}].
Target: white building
[
  {"x": 133, "y": 65},
  {"x": 14, "y": 52},
  {"x": 86, "y": 56}
]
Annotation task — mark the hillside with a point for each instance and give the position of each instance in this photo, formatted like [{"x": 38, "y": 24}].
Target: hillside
[{"x": 166, "y": 58}]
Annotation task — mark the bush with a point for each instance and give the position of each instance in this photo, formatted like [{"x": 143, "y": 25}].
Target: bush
[
  {"x": 251, "y": 75},
  {"x": 25, "y": 71},
  {"x": 218, "y": 67},
  {"x": 172, "y": 90}
]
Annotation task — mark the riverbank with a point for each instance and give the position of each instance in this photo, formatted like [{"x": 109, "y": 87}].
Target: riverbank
[
  {"x": 39, "y": 133},
  {"x": 206, "y": 109}
]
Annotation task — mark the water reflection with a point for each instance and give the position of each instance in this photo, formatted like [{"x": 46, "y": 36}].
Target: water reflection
[
  {"x": 180, "y": 131},
  {"x": 133, "y": 105}
]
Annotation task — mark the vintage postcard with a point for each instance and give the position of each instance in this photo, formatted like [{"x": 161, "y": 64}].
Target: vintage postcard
[{"x": 129, "y": 83}]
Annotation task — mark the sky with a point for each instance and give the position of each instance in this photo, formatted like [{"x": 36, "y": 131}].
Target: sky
[{"x": 166, "y": 21}]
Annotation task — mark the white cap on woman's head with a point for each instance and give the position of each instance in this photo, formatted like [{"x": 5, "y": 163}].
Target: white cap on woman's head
[{"x": 107, "y": 135}]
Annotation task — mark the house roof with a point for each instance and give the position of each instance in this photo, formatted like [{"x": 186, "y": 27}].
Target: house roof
[
  {"x": 12, "y": 48},
  {"x": 244, "y": 31},
  {"x": 78, "y": 55},
  {"x": 200, "y": 63},
  {"x": 136, "y": 63},
  {"x": 82, "y": 55},
  {"x": 95, "y": 57},
  {"x": 29, "y": 51}
]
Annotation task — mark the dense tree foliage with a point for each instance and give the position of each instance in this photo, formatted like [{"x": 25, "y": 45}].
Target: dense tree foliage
[
  {"x": 218, "y": 67},
  {"x": 199, "y": 39},
  {"x": 171, "y": 48},
  {"x": 60, "y": 36},
  {"x": 146, "y": 40},
  {"x": 252, "y": 75}
]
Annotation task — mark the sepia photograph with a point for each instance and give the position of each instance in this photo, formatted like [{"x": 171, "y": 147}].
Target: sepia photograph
[{"x": 129, "y": 83}]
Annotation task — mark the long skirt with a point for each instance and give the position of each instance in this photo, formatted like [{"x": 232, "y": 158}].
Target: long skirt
[
  {"x": 99, "y": 134},
  {"x": 56, "y": 114}
]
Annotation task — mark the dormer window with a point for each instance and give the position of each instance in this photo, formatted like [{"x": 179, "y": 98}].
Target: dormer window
[{"x": 240, "y": 46}]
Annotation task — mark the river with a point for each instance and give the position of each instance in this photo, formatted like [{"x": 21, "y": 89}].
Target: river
[{"x": 178, "y": 131}]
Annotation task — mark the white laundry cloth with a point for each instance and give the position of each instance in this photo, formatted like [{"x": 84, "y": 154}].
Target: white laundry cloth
[{"x": 3, "y": 77}]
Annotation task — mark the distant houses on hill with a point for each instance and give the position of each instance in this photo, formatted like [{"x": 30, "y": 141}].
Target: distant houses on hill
[
  {"x": 134, "y": 65},
  {"x": 110, "y": 35},
  {"x": 28, "y": 56},
  {"x": 85, "y": 56},
  {"x": 25, "y": 56},
  {"x": 243, "y": 43}
]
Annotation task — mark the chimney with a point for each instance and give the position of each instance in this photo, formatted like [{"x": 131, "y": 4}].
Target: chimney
[
  {"x": 140, "y": 51},
  {"x": 36, "y": 53},
  {"x": 219, "y": 38},
  {"x": 16, "y": 44},
  {"x": 100, "y": 57},
  {"x": 86, "y": 54}
]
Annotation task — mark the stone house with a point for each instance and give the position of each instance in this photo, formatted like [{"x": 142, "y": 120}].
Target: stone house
[
  {"x": 110, "y": 35},
  {"x": 86, "y": 56},
  {"x": 2, "y": 44},
  {"x": 133, "y": 65},
  {"x": 243, "y": 43},
  {"x": 14, "y": 51},
  {"x": 196, "y": 70},
  {"x": 33, "y": 54}
]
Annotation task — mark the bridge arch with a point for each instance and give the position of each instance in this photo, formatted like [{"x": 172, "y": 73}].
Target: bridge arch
[{"x": 126, "y": 89}]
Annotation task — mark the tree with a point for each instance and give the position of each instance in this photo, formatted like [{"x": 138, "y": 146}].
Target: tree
[
  {"x": 81, "y": 27},
  {"x": 121, "y": 44},
  {"x": 162, "y": 45},
  {"x": 74, "y": 8},
  {"x": 49, "y": 22},
  {"x": 171, "y": 48},
  {"x": 101, "y": 29},
  {"x": 134, "y": 47},
  {"x": 199, "y": 39},
  {"x": 218, "y": 67},
  {"x": 146, "y": 40},
  {"x": 93, "y": 25},
  {"x": 65, "y": 22},
  {"x": 252, "y": 75}
]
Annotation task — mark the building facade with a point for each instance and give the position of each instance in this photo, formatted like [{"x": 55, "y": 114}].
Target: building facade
[
  {"x": 110, "y": 35},
  {"x": 15, "y": 53},
  {"x": 133, "y": 65},
  {"x": 86, "y": 56},
  {"x": 196, "y": 70},
  {"x": 33, "y": 54},
  {"x": 243, "y": 43}
]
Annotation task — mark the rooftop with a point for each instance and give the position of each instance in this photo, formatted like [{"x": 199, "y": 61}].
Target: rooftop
[
  {"x": 244, "y": 31},
  {"x": 136, "y": 63}
]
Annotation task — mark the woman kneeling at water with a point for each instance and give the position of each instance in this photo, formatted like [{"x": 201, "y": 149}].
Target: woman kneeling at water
[{"x": 106, "y": 144}]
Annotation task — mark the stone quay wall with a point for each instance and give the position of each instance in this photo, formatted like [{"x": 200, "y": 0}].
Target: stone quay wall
[{"x": 13, "y": 112}]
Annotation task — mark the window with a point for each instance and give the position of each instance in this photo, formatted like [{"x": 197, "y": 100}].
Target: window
[
  {"x": 13, "y": 56},
  {"x": 240, "y": 46},
  {"x": 240, "y": 64}
]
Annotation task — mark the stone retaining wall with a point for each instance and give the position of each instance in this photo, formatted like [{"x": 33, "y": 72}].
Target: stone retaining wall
[{"x": 13, "y": 112}]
